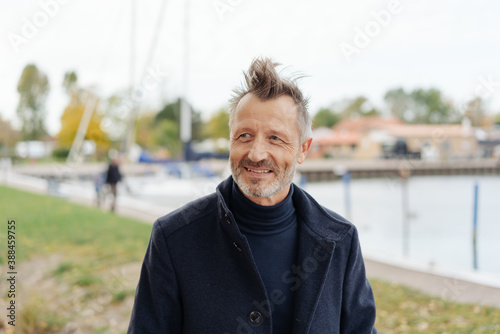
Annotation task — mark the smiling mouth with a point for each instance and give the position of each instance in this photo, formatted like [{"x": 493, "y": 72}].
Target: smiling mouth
[{"x": 260, "y": 171}]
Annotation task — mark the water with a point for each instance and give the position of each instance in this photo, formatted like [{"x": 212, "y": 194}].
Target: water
[{"x": 442, "y": 218}]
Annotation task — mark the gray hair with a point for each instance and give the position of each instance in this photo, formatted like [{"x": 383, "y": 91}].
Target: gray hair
[{"x": 265, "y": 82}]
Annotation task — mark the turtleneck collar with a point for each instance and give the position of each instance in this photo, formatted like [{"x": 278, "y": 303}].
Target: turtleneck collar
[{"x": 256, "y": 219}]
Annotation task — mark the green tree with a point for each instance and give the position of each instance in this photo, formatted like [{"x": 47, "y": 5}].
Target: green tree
[
  {"x": 116, "y": 111},
  {"x": 33, "y": 88},
  {"x": 421, "y": 106},
  {"x": 218, "y": 125},
  {"x": 325, "y": 118},
  {"x": 357, "y": 107},
  {"x": 144, "y": 128},
  {"x": 398, "y": 102},
  {"x": 429, "y": 106},
  {"x": 172, "y": 112},
  {"x": 166, "y": 134},
  {"x": 70, "y": 82}
]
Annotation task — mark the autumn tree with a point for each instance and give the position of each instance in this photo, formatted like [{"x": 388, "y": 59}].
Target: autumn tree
[
  {"x": 33, "y": 88},
  {"x": 8, "y": 136},
  {"x": 72, "y": 116},
  {"x": 475, "y": 112}
]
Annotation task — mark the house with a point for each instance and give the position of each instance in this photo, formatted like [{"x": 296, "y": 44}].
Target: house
[
  {"x": 372, "y": 137},
  {"x": 344, "y": 138}
]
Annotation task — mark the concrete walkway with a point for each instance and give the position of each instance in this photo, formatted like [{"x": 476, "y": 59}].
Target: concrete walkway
[{"x": 456, "y": 286}]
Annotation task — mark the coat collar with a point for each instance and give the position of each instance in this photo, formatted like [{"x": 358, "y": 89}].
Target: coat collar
[{"x": 321, "y": 223}]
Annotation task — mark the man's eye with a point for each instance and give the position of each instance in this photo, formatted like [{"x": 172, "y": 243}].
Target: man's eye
[
  {"x": 274, "y": 138},
  {"x": 244, "y": 135}
]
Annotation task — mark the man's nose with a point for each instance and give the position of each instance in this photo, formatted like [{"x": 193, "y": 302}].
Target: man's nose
[{"x": 258, "y": 151}]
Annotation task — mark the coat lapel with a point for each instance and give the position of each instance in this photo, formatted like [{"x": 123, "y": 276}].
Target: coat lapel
[{"x": 313, "y": 263}]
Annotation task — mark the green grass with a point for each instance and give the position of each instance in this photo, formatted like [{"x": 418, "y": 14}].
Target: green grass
[
  {"x": 404, "y": 310},
  {"x": 46, "y": 225},
  {"x": 92, "y": 243},
  {"x": 89, "y": 243}
]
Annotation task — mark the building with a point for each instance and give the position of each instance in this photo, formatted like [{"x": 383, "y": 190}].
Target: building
[{"x": 376, "y": 137}]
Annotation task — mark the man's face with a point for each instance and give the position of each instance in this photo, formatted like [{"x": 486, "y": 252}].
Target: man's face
[{"x": 265, "y": 147}]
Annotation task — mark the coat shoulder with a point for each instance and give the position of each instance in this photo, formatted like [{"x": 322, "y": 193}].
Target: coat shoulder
[
  {"x": 199, "y": 210},
  {"x": 322, "y": 221}
]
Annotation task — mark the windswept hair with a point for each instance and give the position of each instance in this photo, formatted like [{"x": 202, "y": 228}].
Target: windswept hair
[{"x": 265, "y": 82}]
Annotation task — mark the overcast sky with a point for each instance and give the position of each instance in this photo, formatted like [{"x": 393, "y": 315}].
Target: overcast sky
[{"x": 347, "y": 48}]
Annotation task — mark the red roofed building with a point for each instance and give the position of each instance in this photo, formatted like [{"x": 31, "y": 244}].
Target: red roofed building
[{"x": 368, "y": 137}]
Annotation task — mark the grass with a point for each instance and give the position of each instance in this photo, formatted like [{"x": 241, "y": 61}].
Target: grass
[
  {"x": 46, "y": 225},
  {"x": 404, "y": 310},
  {"x": 92, "y": 243}
]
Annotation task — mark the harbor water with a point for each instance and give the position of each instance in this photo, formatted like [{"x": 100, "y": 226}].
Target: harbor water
[{"x": 440, "y": 218}]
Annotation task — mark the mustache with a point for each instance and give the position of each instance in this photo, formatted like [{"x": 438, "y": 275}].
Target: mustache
[{"x": 267, "y": 163}]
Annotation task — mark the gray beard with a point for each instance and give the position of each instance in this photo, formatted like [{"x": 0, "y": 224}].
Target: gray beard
[{"x": 254, "y": 189}]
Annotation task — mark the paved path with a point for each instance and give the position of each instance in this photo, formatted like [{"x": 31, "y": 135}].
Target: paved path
[{"x": 450, "y": 285}]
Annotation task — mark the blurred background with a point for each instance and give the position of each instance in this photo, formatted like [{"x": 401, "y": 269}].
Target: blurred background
[{"x": 405, "y": 98}]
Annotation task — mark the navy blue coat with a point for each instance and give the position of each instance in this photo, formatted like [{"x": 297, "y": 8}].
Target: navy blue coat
[{"x": 198, "y": 275}]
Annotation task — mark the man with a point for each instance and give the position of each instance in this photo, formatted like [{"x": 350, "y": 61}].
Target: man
[
  {"x": 113, "y": 176},
  {"x": 260, "y": 255}
]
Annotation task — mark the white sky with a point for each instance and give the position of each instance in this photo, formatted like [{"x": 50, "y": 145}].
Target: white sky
[{"x": 451, "y": 45}]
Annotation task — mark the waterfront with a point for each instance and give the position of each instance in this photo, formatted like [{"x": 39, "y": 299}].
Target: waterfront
[
  {"x": 441, "y": 207},
  {"x": 441, "y": 214},
  {"x": 441, "y": 222}
]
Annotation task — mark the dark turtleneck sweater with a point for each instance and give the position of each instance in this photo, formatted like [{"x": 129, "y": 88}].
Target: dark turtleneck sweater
[{"x": 271, "y": 232}]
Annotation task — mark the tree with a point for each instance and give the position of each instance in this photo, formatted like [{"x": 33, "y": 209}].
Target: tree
[
  {"x": 427, "y": 106},
  {"x": 430, "y": 107},
  {"x": 8, "y": 136},
  {"x": 398, "y": 102},
  {"x": 33, "y": 87},
  {"x": 172, "y": 112},
  {"x": 356, "y": 107},
  {"x": 218, "y": 125},
  {"x": 475, "y": 113},
  {"x": 166, "y": 134},
  {"x": 70, "y": 120},
  {"x": 325, "y": 118},
  {"x": 70, "y": 82},
  {"x": 144, "y": 128},
  {"x": 116, "y": 111}
]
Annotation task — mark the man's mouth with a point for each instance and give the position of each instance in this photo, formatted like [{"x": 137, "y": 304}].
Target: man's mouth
[{"x": 262, "y": 171}]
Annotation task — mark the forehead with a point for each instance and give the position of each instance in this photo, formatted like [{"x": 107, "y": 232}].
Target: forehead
[{"x": 278, "y": 112}]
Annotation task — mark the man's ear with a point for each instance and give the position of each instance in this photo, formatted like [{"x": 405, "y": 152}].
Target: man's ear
[{"x": 304, "y": 148}]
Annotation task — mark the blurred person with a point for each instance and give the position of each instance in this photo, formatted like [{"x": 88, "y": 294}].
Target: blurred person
[
  {"x": 259, "y": 255},
  {"x": 113, "y": 176}
]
